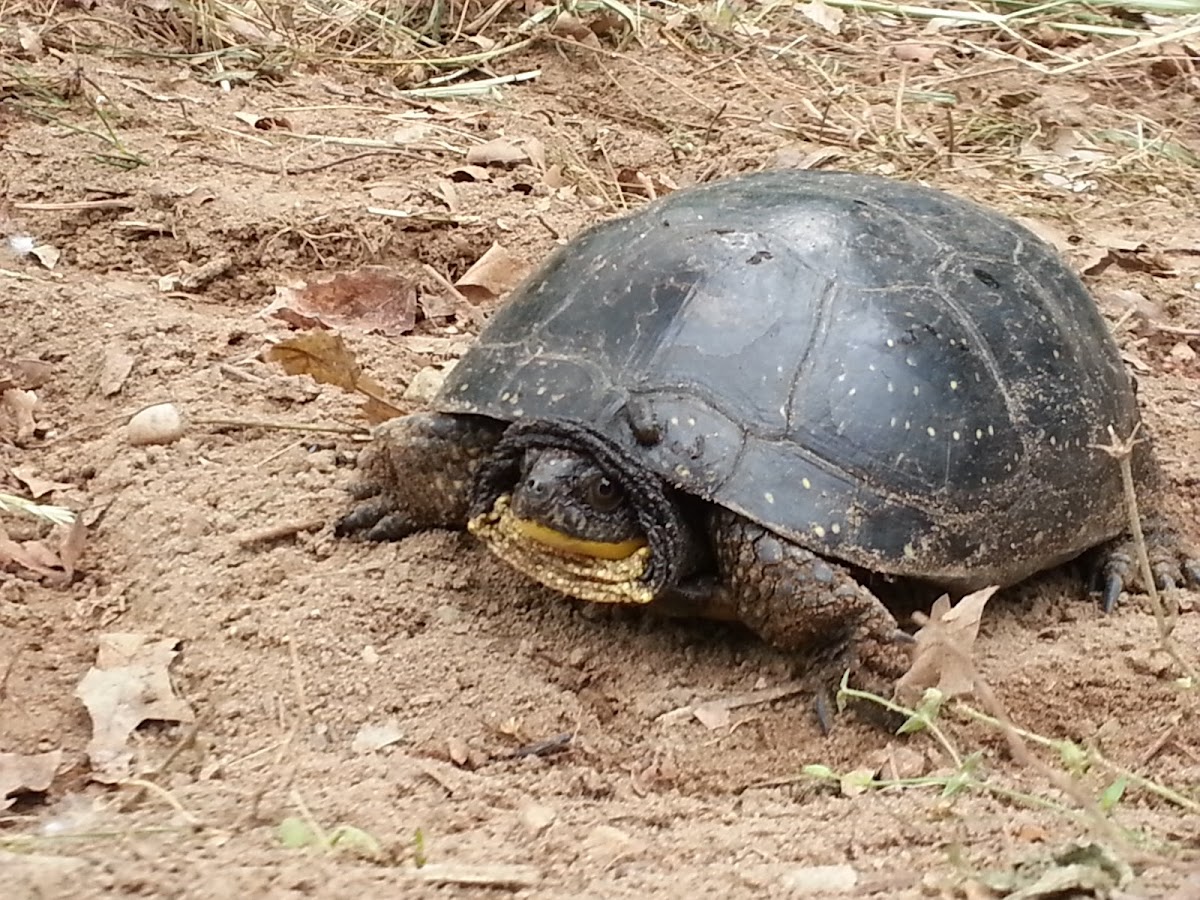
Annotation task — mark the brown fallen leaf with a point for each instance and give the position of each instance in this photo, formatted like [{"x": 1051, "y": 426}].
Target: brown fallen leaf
[
  {"x": 495, "y": 273},
  {"x": 129, "y": 684},
  {"x": 113, "y": 371},
  {"x": 25, "y": 374},
  {"x": 469, "y": 173},
  {"x": 374, "y": 298},
  {"x": 324, "y": 357},
  {"x": 914, "y": 53},
  {"x": 26, "y": 773},
  {"x": 38, "y": 487},
  {"x": 21, "y": 404},
  {"x": 820, "y": 13},
  {"x": 497, "y": 152},
  {"x": 944, "y": 653},
  {"x": 636, "y": 183},
  {"x": 40, "y": 558}
]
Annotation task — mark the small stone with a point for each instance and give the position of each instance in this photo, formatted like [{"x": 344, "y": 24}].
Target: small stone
[
  {"x": 448, "y": 614},
  {"x": 370, "y": 656},
  {"x": 1182, "y": 352},
  {"x": 162, "y": 423},
  {"x": 820, "y": 880},
  {"x": 459, "y": 752},
  {"x": 605, "y": 840},
  {"x": 426, "y": 383},
  {"x": 536, "y": 818}
]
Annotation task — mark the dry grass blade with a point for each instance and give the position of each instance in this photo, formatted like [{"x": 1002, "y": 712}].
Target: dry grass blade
[{"x": 56, "y": 514}]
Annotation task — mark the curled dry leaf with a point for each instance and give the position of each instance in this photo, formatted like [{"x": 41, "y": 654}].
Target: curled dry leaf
[
  {"x": 324, "y": 357},
  {"x": 914, "y": 53},
  {"x": 374, "y": 298},
  {"x": 24, "y": 773},
  {"x": 495, "y": 273},
  {"x": 23, "y": 374},
  {"x": 375, "y": 737},
  {"x": 469, "y": 173},
  {"x": 39, "y": 557},
  {"x": 497, "y": 152},
  {"x": 819, "y": 13},
  {"x": 113, "y": 371},
  {"x": 37, "y": 486},
  {"x": 944, "y": 652},
  {"x": 21, "y": 405},
  {"x": 129, "y": 684}
]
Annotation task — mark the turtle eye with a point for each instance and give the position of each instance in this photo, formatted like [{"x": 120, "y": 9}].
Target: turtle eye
[{"x": 604, "y": 494}]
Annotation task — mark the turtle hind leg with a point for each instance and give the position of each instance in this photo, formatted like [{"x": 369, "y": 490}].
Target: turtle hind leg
[
  {"x": 416, "y": 474},
  {"x": 1173, "y": 561},
  {"x": 796, "y": 600}
]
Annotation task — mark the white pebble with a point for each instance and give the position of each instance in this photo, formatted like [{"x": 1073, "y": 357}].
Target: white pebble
[{"x": 162, "y": 423}]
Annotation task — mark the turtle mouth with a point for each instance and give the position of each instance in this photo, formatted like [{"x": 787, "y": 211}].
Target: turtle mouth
[
  {"x": 564, "y": 543},
  {"x": 590, "y": 570}
]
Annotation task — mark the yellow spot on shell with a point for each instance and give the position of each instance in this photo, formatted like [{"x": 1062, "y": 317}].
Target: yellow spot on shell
[
  {"x": 807, "y": 484},
  {"x": 818, "y": 531}
]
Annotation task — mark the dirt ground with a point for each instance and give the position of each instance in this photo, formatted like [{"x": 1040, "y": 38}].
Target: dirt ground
[{"x": 291, "y": 643}]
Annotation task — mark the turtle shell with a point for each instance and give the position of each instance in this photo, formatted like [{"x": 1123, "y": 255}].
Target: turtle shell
[{"x": 879, "y": 371}]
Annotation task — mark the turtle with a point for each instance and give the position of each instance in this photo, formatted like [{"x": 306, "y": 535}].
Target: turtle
[{"x": 751, "y": 399}]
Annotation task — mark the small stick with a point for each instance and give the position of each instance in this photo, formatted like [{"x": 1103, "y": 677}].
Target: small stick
[
  {"x": 1121, "y": 451},
  {"x": 556, "y": 744},
  {"x": 285, "y": 426},
  {"x": 277, "y": 532}
]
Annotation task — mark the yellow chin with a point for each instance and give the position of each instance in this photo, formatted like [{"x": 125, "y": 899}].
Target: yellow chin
[
  {"x": 590, "y": 570},
  {"x": 567, "y": 544}
]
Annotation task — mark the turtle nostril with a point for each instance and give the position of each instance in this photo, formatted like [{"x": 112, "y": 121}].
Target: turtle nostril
[{"x": 534, "y": 486}]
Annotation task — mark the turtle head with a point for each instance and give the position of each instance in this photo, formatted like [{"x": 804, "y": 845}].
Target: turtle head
[
  {"x": 582, "y": 515},
  {"x": 564, "y": 500}
]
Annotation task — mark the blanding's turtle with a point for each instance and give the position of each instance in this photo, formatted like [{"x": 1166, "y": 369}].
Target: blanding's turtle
[{"x": 750, "y": 397}]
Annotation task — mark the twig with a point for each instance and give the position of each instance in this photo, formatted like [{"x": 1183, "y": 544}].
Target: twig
[
  {"x": 1122, "y": 452},
  {"x": 277, "y": 532},
  {"x": 287, "y": 426}
]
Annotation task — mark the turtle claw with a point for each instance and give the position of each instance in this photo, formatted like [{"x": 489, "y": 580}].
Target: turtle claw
[
  {"x": 1171, "y": 565},
  {"x": 363, "y": 518}
]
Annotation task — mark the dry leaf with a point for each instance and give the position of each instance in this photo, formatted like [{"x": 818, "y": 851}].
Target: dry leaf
[
  {"x": 469, "y": 173},
  {"x": 374, "y": 298},
  {"x": 324, "y": 356},
  {"x": 38, "y": 557},
  {"x": 264, "y": 123},
  {"x": 495, "y": 273},
  {"x": 48, "y": 256},
  {"x": 25, "y": 374},
  {"x": 321, "y": 355},
  {"x": 498, "y": 152},
  {"x": 113, "y": 372},
  {"x": 943, "y": 656},
  {"x": 819, "y": 13},
  {"x": 31, "y": 41},
  {"x": 26, "y": 773},
  {"x": 914, "y": 53},
  {"x": 38, "y": 487},
  {"x": 375, "y": 737},
  {"x": 22, "y": 404},
  {"x": 129, "y": 684},
  {"x": 712, "y": 715}
]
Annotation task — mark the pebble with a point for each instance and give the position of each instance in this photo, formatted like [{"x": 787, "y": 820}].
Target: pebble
[{"x": 536, "y": 818}]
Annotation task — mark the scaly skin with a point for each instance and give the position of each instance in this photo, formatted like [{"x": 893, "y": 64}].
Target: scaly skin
[
  {"x": 798, "y": 601},
  {"x": 417, "y": 473}
]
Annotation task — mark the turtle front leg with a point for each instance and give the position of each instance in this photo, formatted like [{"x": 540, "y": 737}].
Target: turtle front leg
[
  {"x": 796, "y": 600},
  {"x": 417, "y": 473}
]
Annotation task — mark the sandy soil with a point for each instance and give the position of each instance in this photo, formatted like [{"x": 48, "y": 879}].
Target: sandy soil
[{"x": 290, "y": 645}]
